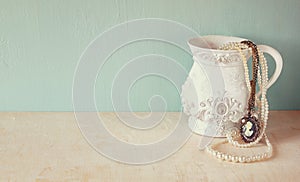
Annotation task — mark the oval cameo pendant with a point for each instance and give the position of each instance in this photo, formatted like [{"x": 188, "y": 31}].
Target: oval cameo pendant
[{"x": 249, "y": 128}]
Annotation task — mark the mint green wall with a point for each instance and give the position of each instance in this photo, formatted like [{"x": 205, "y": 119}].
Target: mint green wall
[{"x": 41, "y": 42}]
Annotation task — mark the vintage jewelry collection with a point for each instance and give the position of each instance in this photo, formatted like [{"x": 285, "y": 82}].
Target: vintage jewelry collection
[{"x": 250, "y": 129}]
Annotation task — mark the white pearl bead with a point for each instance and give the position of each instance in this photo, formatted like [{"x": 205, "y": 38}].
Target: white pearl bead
[
  {"x": 226, "y": 157},
  {"x": 235, "y": 158},
  {"x": 248, "y": 159},
  {"x": 258, "y": 157},
  {"x": 242, "y": 159}
]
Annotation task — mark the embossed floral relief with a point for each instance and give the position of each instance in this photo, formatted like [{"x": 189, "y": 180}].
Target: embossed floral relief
[
  {"x": 223, "y": 111},
  {"x": 220, "y": 109},
  {"x": 219, "y": 57}
]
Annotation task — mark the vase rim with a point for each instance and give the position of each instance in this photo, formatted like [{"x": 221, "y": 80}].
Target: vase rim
[{"x": 212, "y": 42}]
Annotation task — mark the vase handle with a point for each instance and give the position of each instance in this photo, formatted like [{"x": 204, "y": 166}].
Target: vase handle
[{"x": 278, "y": 61}]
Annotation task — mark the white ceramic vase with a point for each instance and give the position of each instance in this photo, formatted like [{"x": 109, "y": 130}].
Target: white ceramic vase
[{"x": 215, "y": 94}]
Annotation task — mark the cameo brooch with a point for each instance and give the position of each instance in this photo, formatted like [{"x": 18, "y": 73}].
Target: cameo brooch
[{"x": 249, "y": 128}]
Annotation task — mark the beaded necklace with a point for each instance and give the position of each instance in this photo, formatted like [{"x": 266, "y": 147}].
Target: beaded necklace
[{"x": 251, "y": 128}]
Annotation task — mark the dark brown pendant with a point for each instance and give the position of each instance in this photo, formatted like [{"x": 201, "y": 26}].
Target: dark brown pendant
[
  {"x": 249, "y": 128},
  {"x": 249, "y": 124}
]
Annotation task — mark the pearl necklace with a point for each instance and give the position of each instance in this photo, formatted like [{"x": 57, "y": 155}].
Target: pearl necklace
[{"x": 234, "y": 136}]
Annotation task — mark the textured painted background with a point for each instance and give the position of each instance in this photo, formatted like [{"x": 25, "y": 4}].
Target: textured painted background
[{"x": 41, "y": 42}]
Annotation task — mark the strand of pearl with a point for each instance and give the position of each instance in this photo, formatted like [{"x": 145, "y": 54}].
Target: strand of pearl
[
  {"x": 262, "y": 80},
  {"x": 232, "y": 136},
  {"x": 241, "y": 159},
  {"x": 264, "y": 105}
]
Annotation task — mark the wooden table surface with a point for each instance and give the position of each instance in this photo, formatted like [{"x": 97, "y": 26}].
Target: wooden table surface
[{"x": 48, "y": 146}]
